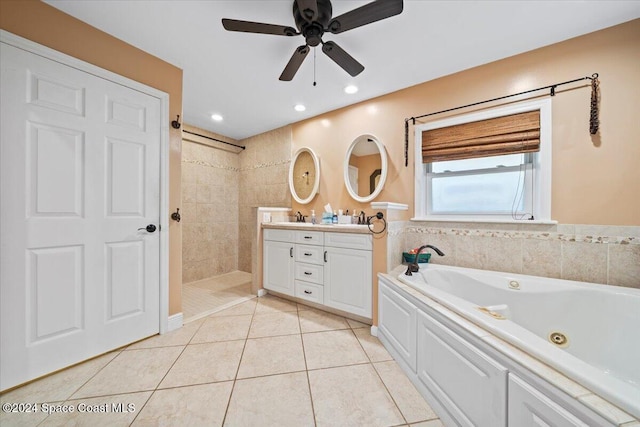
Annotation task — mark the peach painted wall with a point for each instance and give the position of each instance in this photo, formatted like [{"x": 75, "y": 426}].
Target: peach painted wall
[
  {"x": 596, "y": 180},
  {"x": 50, "y": 27}
]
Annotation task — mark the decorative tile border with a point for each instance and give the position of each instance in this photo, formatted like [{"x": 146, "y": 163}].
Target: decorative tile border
[
  {"x": 265, "y": 165},
  {"x": 631, "y": 238},
  {"x": 210, "y": 165}
]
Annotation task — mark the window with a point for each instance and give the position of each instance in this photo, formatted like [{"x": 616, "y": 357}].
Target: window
[{"x": 457, "y": 182}]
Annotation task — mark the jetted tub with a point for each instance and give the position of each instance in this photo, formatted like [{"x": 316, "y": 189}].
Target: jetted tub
[{"x": 589, "y": 332}]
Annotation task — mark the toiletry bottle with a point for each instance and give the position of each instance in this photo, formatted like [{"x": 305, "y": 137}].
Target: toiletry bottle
[
  {"x": 354, "y": 218},
  {"x": 334, "y": 220},
  {"x": 313, "y": 216}
]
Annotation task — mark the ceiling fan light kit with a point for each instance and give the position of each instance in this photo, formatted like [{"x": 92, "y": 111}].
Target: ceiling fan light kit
[{"x": 313, "y": 18}]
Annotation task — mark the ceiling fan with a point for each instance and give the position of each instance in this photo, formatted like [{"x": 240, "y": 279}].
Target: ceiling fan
[{"x": 313, "y": 19}]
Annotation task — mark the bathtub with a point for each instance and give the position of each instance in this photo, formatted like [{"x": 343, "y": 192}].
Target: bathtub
[{"x": 588, "y": 332}]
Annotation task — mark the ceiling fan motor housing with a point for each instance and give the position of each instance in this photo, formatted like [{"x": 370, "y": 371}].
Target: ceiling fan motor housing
[{"x": 313, "y": 29}]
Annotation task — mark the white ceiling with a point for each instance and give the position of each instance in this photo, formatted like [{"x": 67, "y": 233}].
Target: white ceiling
[{"x": 236, "y": 74}]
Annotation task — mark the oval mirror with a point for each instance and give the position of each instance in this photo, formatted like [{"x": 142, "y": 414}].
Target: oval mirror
[
  {"x": 365, "y": 168},
  {"x": 304, "y": 175}
]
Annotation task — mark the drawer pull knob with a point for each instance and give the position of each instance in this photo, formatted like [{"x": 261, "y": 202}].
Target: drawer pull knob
[
  {"x": 308, "y": 292},
  {"x": 307, "y": 254},
  {"x": 307, "y": 273},
  {"x": 308, "y": 237}
]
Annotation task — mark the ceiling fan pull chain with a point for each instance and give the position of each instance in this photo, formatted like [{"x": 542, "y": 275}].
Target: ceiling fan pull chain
[{"x": 314, "y": 66}]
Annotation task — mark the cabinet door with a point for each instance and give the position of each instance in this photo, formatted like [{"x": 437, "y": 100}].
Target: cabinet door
[
  {"x": 470, "y": 384},
  {"x": 397, "y": 321},
  {"x": 278, "y": 266},
  {"x": 530, "y": 408},
  {"x": 347, "y": 280}
]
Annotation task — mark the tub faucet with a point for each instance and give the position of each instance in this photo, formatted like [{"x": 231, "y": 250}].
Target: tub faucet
[{"x": 414, "y": 267}]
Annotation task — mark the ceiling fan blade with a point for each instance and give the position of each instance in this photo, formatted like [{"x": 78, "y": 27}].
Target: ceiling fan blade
[
  {"x": 294, "y": 63},
  {"x": 342, "y": 58},
  {"x": 308, "y": 9},
  {"x": 371, "y": 12},
  {"x": 257, "y": 27}
]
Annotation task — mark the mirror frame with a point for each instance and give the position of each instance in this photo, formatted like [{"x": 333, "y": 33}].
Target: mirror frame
[
  {"x": 316, "y": 182},
  {"x": 383, "y": 167}
]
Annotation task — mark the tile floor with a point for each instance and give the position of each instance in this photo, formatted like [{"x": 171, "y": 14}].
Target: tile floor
[
  {"x": 203, "y": 297},
  {"x": 264, "y": 362}
]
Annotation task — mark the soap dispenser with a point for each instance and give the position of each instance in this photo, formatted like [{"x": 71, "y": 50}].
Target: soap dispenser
[
  {"x": 334, "y": 220},
  {"x": 313, "y": 216}
]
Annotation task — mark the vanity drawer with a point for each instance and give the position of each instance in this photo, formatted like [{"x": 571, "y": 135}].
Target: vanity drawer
[
  {"x": 310, "y": 254},
  {"x": 348, "y": 240},
  {"x": 310, "y": 237},
  {"x": 279, "y": 235},
  {"x": 309, "y": 291},
  {"x": 309, "y": 272}
]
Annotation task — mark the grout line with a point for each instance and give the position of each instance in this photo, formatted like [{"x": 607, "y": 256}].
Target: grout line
[
  {"x": 306, "y": 369},
  {"x": 235, "y": 377}
]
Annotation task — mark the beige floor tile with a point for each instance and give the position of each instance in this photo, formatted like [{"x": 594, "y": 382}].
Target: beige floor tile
[
  {"x": 131, "y": 371},
  {"x": 244, "y": 308},
  {"x": 411, "y": 403},
  {"x": 22, "y": 419},
  {"x": 271, "y": 304},
  {"x": 180, "y": 336},
  {"x": 59, "y": 386},
  {"x": 354, "y": 324},
  {"x": 205, "y": 363},
  {"x": 332, "y": 348},
  {"x": 228, "y": 328},
  {"x": 272, "y": 324},
  {"x": 272, "y": 355},
  {"x": 198, "y": 405},
  {"x": 372, "y": 345},
  {"x": 352, "y": 396},
  {"x": 119, "y": 410},
  {"x": 318, "y": 320},
  {"x": 277, "y": 400}
]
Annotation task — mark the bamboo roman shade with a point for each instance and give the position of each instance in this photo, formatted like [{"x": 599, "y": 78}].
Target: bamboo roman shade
[{"x": 516, "y": 133}]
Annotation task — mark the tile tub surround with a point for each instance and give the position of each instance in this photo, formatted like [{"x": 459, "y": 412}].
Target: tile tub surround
[
  {"x": 266, "y": 373},
  {"x": 596, "y": 254}
]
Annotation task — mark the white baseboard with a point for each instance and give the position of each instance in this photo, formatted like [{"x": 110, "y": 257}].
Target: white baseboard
[
  {"x": 175, "y": 322},
  {"x": 374, "y": 331},
  {"x": 262, "y": 292}
]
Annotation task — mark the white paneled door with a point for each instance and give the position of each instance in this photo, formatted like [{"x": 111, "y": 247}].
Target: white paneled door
[{"x": 80, "y": 159}]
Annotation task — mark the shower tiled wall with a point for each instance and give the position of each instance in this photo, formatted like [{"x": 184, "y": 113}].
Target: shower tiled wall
[
  {"x": 598, "y": 254},
  {"x": 210, "y": 190},
  {"x": 264, "y": 169}
]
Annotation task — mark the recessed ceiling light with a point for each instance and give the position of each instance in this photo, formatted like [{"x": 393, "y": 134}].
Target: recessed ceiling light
[
  {"x": 300, "y": 107},
  {"x": 351, "y": 89},
  {"x": 216, "y": 117}
]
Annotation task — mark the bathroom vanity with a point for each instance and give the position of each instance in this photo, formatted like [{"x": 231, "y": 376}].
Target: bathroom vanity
[{"x": 329, "y": 265}]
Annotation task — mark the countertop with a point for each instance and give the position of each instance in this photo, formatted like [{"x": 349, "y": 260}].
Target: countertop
[{"x": 307, "y": 226}]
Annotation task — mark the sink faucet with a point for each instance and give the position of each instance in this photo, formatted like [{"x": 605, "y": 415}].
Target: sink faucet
[
  {"x": 362, "y": 219},
  {"x": 414, "y": 267},
  {"x": 300, "y": 217}
]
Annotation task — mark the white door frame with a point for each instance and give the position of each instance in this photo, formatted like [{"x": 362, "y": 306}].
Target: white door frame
[{"x": 30, "y": 46}]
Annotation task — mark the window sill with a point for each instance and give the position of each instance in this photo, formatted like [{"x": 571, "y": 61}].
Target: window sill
[{"x": 485, "y": 220}]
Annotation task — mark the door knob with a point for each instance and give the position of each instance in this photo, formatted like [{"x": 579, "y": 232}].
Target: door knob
[{"x": 150, "y": 228}]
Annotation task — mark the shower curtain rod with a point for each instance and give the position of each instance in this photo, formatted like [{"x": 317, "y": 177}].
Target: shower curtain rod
[
  {"x": 214, "y": 139},
  {"x": 552, "y": 92}
]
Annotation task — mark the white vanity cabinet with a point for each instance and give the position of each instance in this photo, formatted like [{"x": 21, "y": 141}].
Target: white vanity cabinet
[
  {"x": 278, "y": 261},
  {"x": 333, "y": 269}
]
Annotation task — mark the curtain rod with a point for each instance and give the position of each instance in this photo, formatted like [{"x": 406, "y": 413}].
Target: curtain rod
[
  {"x": 552, "y": 92},
  {"x": 213, "y": 139}
]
